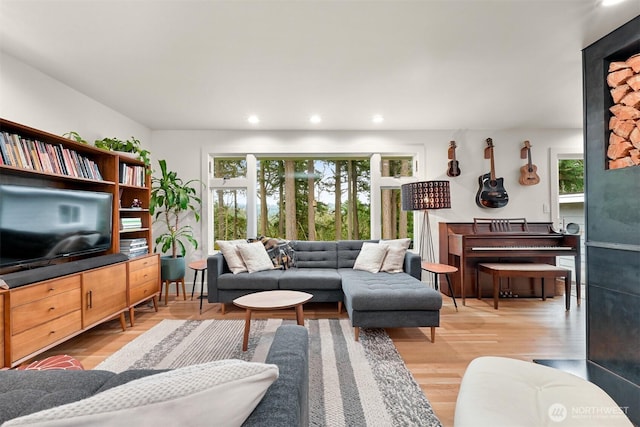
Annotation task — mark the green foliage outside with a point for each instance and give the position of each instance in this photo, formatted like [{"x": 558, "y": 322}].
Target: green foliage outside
[
  {"x": 315, "y": 182},
  {"x": 571, "y": 176}
]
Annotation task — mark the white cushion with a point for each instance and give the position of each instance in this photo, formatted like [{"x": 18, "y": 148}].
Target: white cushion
[
  {"x": 370, "y": 257},
  {"x": 499, "y": 391},
  {"x": 255, "y": 257},
  {"x": 394, "y": 261},
  {"x": 229, "y": 249},
  {"x": 223, "y": 392}
]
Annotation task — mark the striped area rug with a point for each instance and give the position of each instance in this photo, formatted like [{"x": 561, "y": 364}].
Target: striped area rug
[{"x": 351, "y": 383}]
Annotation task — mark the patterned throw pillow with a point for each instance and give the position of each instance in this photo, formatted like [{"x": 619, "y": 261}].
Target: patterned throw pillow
[
  {"x": 60, "y": 362},
  {"x": 280, "y": 251}
]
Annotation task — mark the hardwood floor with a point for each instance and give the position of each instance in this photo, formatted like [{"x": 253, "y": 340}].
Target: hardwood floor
[{"x": 526, "y": 329}]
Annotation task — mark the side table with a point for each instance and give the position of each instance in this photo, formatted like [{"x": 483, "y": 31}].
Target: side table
[
  {"x": 445, "y": 269},
  {"x": 198, "y": 266}
]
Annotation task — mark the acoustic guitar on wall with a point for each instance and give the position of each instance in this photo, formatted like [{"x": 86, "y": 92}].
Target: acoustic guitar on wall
[
  {"x": 528, "y": 172},
  {"x": 491, "y": 193},
  {"x": 453, "y": 169}
]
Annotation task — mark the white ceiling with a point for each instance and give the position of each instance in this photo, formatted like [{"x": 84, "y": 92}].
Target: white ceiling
[{"x": 187, "y": 64}]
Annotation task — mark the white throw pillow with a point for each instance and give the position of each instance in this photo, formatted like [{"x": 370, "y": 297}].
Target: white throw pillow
[
  {"x": 371, "y": 257},
  {"x": 229, "y": 249},
  {"x": 394, "y": 261},
  {"x": 224, "y": 393},
  {"x": 255, "y": 257}
]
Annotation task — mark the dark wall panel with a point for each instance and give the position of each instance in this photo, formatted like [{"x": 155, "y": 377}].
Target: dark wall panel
[{"x": 612, "y": 232}]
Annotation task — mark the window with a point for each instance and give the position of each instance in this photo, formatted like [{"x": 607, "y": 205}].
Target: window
[{"x": 333, "y": 196}]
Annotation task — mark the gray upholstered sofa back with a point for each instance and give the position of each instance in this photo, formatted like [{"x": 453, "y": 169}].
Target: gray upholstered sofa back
[{"x": 315, "y": 254}]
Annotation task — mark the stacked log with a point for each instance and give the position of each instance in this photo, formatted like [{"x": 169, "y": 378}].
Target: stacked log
[{"x": 624, "y": 126}]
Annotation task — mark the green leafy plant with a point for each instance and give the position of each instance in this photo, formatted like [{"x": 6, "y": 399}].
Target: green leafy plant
[
  {"x": 75, "y": 136},
  {"x": 131, "y": 145},
  {"x": 171, "y": 199}
]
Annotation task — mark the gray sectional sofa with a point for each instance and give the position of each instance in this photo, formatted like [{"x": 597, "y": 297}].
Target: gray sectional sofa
[
  {"x": 286, "y": 402},
  {"x": 325, "y": 270}
]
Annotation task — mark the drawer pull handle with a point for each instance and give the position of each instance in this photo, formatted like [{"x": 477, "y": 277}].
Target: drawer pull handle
[
  {"x": 52, "y": 332},
  {"x": 52, "y": 289},
  {"x": 51, "y": 308}
]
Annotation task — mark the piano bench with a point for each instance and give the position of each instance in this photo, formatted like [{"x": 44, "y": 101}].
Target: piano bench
[{"x": 529, "y": 270}]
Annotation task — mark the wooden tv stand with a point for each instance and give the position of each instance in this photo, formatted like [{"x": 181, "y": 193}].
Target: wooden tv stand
[{"x": 41, "y": 315}]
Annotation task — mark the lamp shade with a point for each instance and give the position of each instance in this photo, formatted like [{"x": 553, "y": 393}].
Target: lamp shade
[{"x": 423, "y": 195}]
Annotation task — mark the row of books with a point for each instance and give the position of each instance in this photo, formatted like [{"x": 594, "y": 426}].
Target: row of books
[
  {"x": 26, "y": 153},
  {"x": 132, "y": 175},
  {"x": 130, "y": 223},
  {"x": 134, "y": 247}
]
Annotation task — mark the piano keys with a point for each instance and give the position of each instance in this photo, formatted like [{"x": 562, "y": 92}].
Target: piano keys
[{"x": 464, "y": 245}]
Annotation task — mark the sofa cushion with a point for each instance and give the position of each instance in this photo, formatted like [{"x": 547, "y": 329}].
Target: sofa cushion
[
  {"x": 229, "y": 249},
  {"x": 371, "y": 257},
  {"x": 261, "y": 280},
  {"x": 394, "y": 261},
  {"x": 537, "y": 395},
  {"x": 25, "y": 392},
  {"x": 348, "y": 251},
  {"x": 387, "y": 291},
  {"x": 310, "y": 278},
  {"x": 315, "y": 254},
  {"x": 226, "y": 391},
  {"x": 255, "y": 257}
]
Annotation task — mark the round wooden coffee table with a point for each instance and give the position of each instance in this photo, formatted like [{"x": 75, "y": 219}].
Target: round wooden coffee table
[{"x": 270, "y": 300}]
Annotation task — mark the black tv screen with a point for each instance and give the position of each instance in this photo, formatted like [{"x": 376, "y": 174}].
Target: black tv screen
[{"x": 42, "y": 224}]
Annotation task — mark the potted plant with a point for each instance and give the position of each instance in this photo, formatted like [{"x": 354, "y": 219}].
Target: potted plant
[
  {"x": 131, "y": 145},
  {"x": 171, "y": 200}
]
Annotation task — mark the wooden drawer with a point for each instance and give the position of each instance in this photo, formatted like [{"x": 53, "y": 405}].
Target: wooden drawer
[
  {"x": 143, "y": 263},
  {"x": 41, "y": 336},
  {"x": 30, "y": 293},
  {"x": 140, "y": 277},
  {"x": 44, "y": 310},
  {"x": 143, "y": 291}
]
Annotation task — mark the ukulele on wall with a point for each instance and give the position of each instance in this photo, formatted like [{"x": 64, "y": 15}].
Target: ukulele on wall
[
  {"x": 491, "y": 193},
  {"x": 453, "y": 169},
  {"x": 528, "y": 175}
]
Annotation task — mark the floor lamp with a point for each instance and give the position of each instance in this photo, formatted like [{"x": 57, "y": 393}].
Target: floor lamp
[{"x": 425, "y": 196}]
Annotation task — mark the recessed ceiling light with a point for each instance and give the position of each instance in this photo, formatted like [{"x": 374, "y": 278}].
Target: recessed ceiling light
[
  {"x": 377, "y": 118},
  {"x": 315, "y": 118},
  {"x": 611, "y": 2},
  {"x": 253, "y": 119}
]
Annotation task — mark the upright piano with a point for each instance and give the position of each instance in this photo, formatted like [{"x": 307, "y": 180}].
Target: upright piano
[{"x": 465, "y": 244}]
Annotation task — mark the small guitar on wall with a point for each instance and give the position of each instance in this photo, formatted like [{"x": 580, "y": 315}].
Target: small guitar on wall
[
  {"x": 491, "y": 193},
  {"x": 454, "y": 169},
  {"x": 528, "y": 175}
]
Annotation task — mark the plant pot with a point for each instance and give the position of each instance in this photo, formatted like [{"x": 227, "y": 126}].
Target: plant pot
[{"x": 172, "y": 268}]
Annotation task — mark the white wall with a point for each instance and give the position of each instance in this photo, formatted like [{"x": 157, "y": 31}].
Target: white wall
[
  {"x": 34, "y": 99},
  {"x": 186, "y": 152}
]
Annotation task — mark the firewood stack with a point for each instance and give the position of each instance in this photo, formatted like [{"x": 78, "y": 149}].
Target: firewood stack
[{"x": 624, "y": 140}]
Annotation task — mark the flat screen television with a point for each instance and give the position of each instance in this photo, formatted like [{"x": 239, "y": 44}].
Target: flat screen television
[{"x": 39, "y": 224}]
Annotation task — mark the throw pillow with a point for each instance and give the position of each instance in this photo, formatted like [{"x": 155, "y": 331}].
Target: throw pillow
[
  {"x": 255, "y": 257},
  {"x": 394, "y": 261},
  {"x": 62, "y": 362},
  {"x": 371, "y": 257},
  {"x": 229, "y": 249},
  {"x": 223, "y": 392},
  {"x": 280, "y": 251}
]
